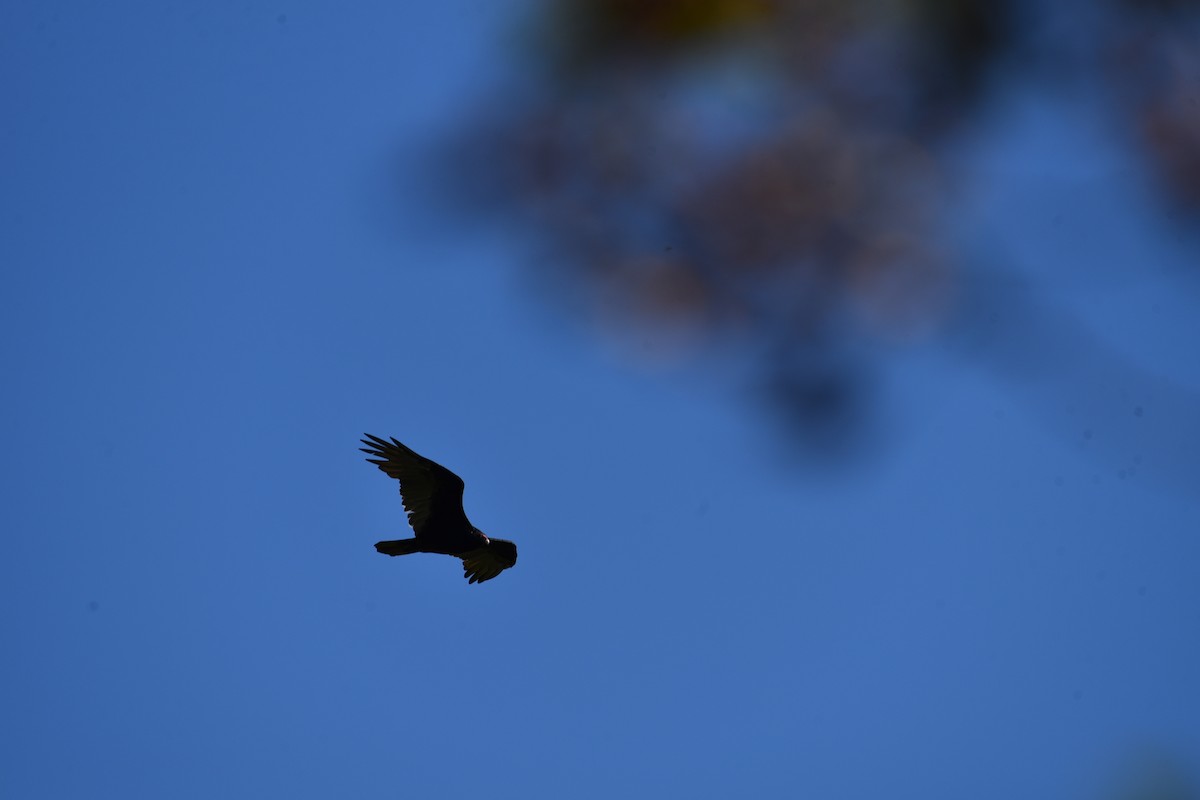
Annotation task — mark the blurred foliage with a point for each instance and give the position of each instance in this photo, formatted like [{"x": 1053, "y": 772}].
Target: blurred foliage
[
  {"x": 1157, "y": 776},
  {"x": 776, "y": 174},
  {"x": 1154, "y": 62}
]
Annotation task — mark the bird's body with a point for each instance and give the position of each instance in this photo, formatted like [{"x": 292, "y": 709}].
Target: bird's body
[{"x": 432, "y": 496}]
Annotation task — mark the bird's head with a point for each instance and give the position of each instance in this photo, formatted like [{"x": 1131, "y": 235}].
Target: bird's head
[{"x": 505, "y": 550}]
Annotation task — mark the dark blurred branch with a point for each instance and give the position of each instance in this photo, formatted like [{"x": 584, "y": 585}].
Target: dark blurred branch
[{"x": 1130, "y": 421}]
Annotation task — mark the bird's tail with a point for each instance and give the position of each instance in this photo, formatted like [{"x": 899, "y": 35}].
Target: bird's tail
[{"x": 398, "y": 547}]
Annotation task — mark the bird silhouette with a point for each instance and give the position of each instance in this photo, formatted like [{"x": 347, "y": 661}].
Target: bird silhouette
[{"x": 432, "y": 496}]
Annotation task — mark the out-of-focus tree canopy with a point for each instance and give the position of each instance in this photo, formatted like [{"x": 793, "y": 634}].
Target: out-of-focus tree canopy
[{"x": 776, "y": 175}]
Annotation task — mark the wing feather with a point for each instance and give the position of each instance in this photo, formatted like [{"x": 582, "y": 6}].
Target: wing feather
[
  {"x": 483, "y": 564},
  {"x": 430, "y": 492}
]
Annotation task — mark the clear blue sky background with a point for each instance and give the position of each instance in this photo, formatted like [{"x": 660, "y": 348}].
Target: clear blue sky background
[{"x": 209, "y": 293}]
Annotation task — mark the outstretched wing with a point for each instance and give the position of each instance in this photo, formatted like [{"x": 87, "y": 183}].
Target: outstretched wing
[
  {"x": 486, "y": 563},
  {"x": 430, "y": 491}
]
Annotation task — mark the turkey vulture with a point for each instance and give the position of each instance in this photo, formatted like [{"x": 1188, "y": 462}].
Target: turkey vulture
[{"x": 432, "y": 497}]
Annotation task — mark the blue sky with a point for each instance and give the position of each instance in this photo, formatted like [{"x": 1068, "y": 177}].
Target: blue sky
[{"x": 211, "y": 290}]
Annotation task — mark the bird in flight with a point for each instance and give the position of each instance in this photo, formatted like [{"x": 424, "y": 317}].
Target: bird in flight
[{"x": 432, "y": 497}]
